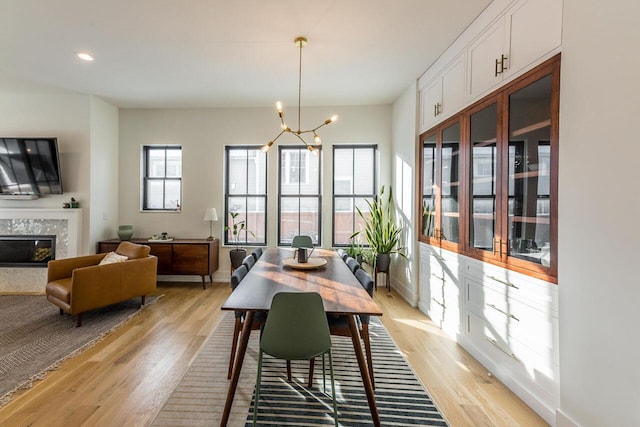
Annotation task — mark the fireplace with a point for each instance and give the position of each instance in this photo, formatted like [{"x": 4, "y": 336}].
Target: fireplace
[{"x": 26, "y": 250}]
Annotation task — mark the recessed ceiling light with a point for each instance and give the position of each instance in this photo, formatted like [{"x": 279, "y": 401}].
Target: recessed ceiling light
[{"x": 85, "y": 56}]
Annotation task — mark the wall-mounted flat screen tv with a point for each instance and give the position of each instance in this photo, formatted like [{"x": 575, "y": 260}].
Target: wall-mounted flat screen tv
[{"x": 29, "y": 166}]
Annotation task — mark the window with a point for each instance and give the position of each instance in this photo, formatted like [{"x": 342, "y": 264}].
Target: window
[
  {"x": 162, "y": 177},
  {"x": 246, "y": 193},
  {"x": 299, "y": 194},
  {"x": 489, "y": 186},
  {"x": 354, "y": 183}
]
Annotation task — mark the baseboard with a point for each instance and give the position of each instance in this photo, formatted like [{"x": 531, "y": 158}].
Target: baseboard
[
  {"x": 563, "y": 420},
  {"x": 405, "y": 292}
]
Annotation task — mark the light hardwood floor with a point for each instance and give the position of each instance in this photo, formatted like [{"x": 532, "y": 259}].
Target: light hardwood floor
[{"x": 125, "y": 379}]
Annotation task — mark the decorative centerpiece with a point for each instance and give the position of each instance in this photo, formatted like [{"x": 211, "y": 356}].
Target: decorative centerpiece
[
  {"x": 125, "y": 232},
  {"x": 237, "y": 254}
]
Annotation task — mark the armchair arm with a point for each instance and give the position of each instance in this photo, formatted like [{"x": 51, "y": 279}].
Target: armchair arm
[{"x": 63, "y": 268}]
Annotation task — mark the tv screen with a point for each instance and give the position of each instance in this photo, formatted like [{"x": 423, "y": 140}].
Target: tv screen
[{"x": 29, "y": 166}]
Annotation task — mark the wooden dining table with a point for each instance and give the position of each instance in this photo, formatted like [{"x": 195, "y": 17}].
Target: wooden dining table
[{"x": 340, "y": 291}]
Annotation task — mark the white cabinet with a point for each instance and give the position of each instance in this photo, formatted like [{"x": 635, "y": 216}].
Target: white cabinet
[
  {"x": 444, "y": 95},
  {"x": 528, "y": 33},
  {"x": 440, "y": 288}
]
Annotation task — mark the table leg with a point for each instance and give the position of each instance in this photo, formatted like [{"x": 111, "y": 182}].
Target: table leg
[
  {"x": 364, "y": 372},
  {"x": 237, "y": 366}
]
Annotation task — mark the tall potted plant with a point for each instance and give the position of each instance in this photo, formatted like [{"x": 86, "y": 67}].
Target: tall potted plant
[
  {"x": 380, "y": 230},
  {"x": 237, "y": 254}
]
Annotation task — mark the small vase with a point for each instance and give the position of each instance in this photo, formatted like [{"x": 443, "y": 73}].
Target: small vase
[{"x": 125, "y": 232}]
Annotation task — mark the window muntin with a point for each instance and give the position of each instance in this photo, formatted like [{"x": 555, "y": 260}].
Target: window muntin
[
  {"x": 299, "y": 199},
  {"x": 161, "y": 178},
  {"x": 354, "y": 183},
  {"x": 246, "y": 193}
]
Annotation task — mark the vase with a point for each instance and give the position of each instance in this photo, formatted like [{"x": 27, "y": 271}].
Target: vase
[{"x": 125, "y": 232}]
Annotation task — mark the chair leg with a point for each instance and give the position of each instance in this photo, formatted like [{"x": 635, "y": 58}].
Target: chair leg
[
  {"x": 61, "y": 312},
  {"x": 388, "y": 281},
  {"x": 255, "y": 403},
  {"x": 234, "y": 344},
  {"x": 312, "y": 363},
  {"x": 143, "y": 299},
  {"x": 333, "y": 389},
  {"x": 324, "y": 375},
  {"x": 367, "y": 349},
  {"x": 79, "y": 320},
  {"x": 289, "y": 370}
]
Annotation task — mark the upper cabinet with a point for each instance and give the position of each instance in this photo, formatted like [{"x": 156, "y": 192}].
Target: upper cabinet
[
  {"x": 519, "y": 36},
  {"x": 528, "y": 32},
  {"x": 444, "y": 95}
]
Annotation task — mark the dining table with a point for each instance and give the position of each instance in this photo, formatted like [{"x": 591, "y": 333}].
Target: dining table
[{"x": 341, "y": 294}]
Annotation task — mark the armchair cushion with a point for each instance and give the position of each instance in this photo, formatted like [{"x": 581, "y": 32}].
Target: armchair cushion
[
  {"x": 113, "y": 257},
  {"x": 132, "y": 250}
]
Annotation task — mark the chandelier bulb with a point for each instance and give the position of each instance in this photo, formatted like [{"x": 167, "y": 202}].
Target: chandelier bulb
[
  {"x": 266, "y": 147},
  {"x": 316, "y": 139},
  {"x": 279, "y": 106}
]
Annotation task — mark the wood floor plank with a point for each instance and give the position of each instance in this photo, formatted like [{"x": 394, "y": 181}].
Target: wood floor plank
[{"x": 126, "y": 378}]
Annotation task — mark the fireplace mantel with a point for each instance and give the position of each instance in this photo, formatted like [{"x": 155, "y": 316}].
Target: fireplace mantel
[{"x": 65, "y": 224}]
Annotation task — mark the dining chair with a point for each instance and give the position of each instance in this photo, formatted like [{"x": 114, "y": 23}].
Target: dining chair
[
  {"x": 339, "y": 325},
  {"x": 257, "y": 253},
  {"x": 343, "y": 254},
  {"x": 249, "y": 261},
  {"x": 352, "y": 264},
  {"x": 296, "y": 329},
  {"x": 258, "y": 320}
]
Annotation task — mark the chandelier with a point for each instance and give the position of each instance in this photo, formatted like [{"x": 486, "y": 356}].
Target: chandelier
[{"x": 300, "y": 43}]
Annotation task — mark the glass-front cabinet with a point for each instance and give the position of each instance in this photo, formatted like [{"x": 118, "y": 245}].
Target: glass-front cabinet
[
  {"x": 440, "y": 222},
  {"x": 489, "y": 177}
]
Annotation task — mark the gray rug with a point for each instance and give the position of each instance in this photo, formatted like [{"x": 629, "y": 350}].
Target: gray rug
[
  {"x": 35, "y": 338},
  {"x": 199, "y": 398}
]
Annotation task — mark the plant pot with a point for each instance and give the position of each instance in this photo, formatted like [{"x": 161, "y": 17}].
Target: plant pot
[
  {"x": 236, "y": 256},
  {"x": 382, "y": 263}
]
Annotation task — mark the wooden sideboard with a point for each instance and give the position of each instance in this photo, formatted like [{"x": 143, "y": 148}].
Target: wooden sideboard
[{"x": 178, "y": 256}]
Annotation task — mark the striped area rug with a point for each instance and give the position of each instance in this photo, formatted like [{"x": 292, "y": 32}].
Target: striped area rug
[{"x": 199, "y": 398}]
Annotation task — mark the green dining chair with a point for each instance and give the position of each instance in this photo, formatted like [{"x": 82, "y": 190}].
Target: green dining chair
[{"x": 296, "y": 329}]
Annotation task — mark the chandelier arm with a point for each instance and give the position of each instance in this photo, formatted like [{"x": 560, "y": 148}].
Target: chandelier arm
[
  {"x": 280, "y": 134},
  {"x": 300, "y": 138}
]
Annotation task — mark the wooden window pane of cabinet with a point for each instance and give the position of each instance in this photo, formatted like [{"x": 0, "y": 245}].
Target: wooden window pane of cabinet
[
  {"x": 483, "y": 172},
  {"x": 428, "y": 186},
  {"x": 529, "y": 157},
  {"x": 450, "y": 184}
]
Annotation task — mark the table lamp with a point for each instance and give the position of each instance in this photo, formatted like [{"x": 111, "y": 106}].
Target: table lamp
[{"x": 210, "y": 214}]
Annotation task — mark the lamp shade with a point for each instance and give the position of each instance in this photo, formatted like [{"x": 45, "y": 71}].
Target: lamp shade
[{"x": 210, "y": 214}]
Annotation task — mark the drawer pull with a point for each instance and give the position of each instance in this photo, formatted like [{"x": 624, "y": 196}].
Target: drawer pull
[
  {"x": 438, "y": 302},
  {"x": 511, "y": 285},
  {"x": 495, "y": 344},
  {"x": 503, "y": 312},
  {"x": 438, "y": 277}
]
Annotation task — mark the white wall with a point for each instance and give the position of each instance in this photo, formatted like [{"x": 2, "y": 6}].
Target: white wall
[
  {"x": 203, "y": 133},
  {"x": 599, "y": 211},
  {"x": 403, "y": 161},
  {"x": 65, "y": 116},
  {"x": 103, "y": 170}
]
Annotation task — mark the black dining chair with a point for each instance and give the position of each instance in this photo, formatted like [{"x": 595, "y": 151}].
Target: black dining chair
[
  {"x": 249, "y": 261},
  {"x": 352, "y": 264},
  {"x": 257, "y": 253},
  {"x": 343, "y": 254}
]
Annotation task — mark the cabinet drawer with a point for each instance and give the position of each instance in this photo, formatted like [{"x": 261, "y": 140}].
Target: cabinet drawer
[
  {"x": 510, "y": 318},
  {"x": 518, "y": 357},
  {"x": 191, "y": 259},
  {"x": 165, "y": 255}
]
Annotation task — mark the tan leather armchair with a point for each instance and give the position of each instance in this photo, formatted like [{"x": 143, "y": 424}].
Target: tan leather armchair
[{"x": 79, "y": 284}]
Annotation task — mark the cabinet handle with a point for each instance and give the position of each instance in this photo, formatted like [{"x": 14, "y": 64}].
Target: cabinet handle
[
  {"x": 508, "y": 353},
  {"x": 438, "y": 109},
  {"x": 496, "y": 69},
  {"x": 438, "y": 257},
  {"x": 438, "y": 277},
  {"x": 500, "y": 65},
  {"x": 511, "y": 285},
  {"x": 503, "y": 312},
  {"x": 435, "y": 110},
  {"x": 438, "y": 302}
]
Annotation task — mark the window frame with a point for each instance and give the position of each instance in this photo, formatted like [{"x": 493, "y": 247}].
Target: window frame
[
  {"x": 245, "y": 242},
  {"x": 318, "y": 196},
  {"x": 145, "y": 165},
  {"x": 353, "y": 195}
]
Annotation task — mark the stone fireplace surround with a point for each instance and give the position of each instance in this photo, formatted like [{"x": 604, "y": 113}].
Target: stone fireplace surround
[{"x": 65, "y": 224}]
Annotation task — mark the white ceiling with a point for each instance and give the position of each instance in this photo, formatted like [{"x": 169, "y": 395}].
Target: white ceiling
[{"x": 226, "y": 53}]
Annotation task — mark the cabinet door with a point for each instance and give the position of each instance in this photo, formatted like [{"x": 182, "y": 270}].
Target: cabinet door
[
  {"x": 453, "y": 87},
  {"x": 191, "y": 259},
  {"x": 533, "y": 29},
  {"x": 481, "y": 59},
  {"x": 164, "y": 254},
  {"x": 430, "y": 101}
]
